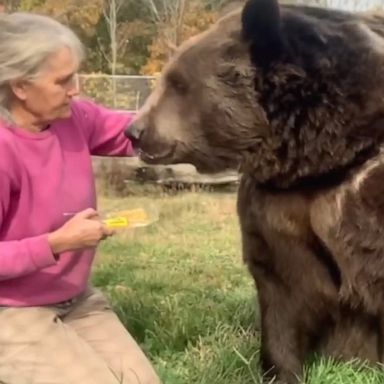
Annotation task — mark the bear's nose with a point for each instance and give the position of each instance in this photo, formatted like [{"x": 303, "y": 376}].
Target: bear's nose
[{"x": 134, "y": 132}]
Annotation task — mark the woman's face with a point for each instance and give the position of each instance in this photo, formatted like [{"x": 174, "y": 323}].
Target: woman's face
[{"x": 48, "y": 96}]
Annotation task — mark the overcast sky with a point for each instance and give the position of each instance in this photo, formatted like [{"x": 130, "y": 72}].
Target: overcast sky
[
  {"x": 349, "y": 5},
  {"x": 355, "y": 4}
]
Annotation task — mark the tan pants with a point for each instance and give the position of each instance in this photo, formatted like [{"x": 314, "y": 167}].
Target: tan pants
[{"x": 82, "y": 344}]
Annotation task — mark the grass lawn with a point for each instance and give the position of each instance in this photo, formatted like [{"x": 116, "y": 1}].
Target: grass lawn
[{"x": 181, "y": 289}]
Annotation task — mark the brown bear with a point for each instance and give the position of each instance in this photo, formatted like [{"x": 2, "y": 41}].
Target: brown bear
[{"x": 292, "y": 96}]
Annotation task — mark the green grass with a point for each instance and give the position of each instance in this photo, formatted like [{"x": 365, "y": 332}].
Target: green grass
[{"x": 181, "y": 289}]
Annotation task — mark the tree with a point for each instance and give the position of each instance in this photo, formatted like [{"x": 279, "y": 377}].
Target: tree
[
  {"x": 9, "y": 5},
  {"x": 175, "y": 21},
  {"x": 82, "y": 15},
  {"x": 169, "y": 16},
  {"x": 111, "y": 11},
  {"x": 130, "y": 36}
]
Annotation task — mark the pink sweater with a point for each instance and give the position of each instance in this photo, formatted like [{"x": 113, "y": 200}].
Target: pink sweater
[{"x": 43, "y": 175}]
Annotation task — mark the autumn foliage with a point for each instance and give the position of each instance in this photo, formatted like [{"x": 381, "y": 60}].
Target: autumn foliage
[{"x": 145, "y": 39}]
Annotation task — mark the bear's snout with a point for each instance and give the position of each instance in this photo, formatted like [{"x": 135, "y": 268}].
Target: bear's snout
[{"x": 133, "y": 132}]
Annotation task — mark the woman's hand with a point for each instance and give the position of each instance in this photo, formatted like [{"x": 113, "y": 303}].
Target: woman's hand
[{"x": 83, "y": 230}]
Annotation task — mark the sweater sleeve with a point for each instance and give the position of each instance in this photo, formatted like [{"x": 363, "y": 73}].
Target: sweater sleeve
[
  {"x": 20, "y": 257},
  {"x": 104, "y": 129}
]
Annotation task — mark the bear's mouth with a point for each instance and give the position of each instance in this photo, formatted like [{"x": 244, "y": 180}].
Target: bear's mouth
[{"x": 156, "y": 158}]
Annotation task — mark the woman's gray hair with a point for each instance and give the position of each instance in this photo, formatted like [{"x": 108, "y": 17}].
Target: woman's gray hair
[{"x": 26, "y": 42}]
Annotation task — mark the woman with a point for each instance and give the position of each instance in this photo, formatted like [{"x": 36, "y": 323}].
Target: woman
[{"x": 54, "y": 327}]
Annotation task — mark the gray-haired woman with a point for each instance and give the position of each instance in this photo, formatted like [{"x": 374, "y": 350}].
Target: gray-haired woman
[{"x": 55, "y": 328}]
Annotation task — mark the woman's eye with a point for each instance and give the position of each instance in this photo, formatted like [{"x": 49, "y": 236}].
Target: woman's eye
[{"x": 66, "y": 80}]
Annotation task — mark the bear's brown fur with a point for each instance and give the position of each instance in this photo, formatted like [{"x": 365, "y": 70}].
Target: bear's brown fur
[{"x": 294, "y": 96}]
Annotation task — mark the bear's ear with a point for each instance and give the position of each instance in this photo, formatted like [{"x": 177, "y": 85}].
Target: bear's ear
[{"x": 261, "y": 27}]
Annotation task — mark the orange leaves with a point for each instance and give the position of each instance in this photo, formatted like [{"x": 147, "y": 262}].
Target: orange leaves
[{"x": 80, "y": 13}]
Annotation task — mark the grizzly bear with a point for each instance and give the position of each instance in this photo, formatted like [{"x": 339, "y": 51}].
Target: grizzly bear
[{"x": 292, "y": 97}]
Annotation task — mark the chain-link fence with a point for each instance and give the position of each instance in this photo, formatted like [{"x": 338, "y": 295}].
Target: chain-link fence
[{"x": 120, "y": 92}]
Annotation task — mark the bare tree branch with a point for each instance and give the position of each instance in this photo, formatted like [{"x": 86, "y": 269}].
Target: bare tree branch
[
  {"x": 154, "y": 10},
  {"x": 102, "y": 51},
  {"x": 168, "y": 15}
]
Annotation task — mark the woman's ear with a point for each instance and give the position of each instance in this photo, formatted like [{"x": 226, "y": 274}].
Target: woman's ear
[{"x": 18, "y": 88}]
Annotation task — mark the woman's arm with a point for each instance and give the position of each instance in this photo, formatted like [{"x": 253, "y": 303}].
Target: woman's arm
[
  {"x": 20, "y": 257},
  {"x": 104, "y": 128}
]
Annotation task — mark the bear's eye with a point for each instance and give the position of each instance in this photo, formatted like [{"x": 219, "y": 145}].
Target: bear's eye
[{"x": 177, "y": 82}]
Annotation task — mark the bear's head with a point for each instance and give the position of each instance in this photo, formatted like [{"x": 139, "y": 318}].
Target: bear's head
[{"x": 286, "y": 93}]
